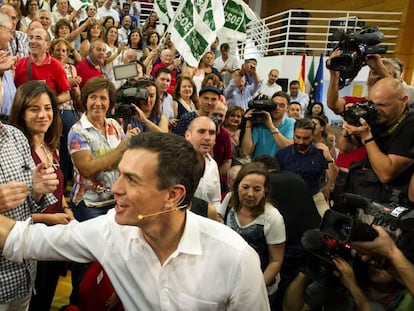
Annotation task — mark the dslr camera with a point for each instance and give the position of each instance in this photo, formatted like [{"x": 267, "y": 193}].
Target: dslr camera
[
  {"x": 355, "y": 46},
  {"x": 365, "y": 109},
  {"x": 260, "y": 104}
]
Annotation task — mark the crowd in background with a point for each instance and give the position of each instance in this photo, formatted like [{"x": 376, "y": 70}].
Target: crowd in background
[{"x": 272, "y": 162}]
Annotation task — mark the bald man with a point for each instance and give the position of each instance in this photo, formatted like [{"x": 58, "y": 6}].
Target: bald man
[
  {"x": 201, "y": 133},
  {"x": 390, "y": 144}
]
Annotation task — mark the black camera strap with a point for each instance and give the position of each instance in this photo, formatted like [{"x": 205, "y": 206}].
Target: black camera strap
[{"x": 398, "y": 122}]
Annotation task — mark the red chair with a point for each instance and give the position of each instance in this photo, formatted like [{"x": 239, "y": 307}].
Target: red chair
[{"x": 95, "y": 291}]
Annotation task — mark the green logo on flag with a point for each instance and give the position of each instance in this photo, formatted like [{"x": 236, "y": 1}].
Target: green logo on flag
[{"x": 184, "y": 25}]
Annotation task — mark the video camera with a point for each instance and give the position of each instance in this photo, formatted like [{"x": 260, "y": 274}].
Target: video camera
[
  {"x": 355, "y": 46},
  {"x": 337, "y": 229},
  {"x": 260, "y": 104},
  {"x": 127, "y": 97},
  {"x": 365, "y": 109}
]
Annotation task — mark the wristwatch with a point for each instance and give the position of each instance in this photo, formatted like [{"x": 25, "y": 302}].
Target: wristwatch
[{"x": 276, "y": 131}]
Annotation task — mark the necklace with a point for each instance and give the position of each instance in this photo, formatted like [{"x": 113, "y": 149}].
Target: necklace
[{"x": 49, "y": 157}]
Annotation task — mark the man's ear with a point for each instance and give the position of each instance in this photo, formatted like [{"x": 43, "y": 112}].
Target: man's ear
[{"x": 176, "y": 195}]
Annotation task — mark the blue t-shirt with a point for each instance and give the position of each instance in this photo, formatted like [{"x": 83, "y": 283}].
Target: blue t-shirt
[{"x": 263, "y": 138}]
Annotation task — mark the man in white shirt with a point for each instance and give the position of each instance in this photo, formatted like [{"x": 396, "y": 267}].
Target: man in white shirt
[
  {"x": 226, "y": 63},
  {"x": 297, "y": 96},
  {"x": 107, "y": 10},
  {"x": 201, "y": 133},
  {"x": 270, "y": 87},
  {"x": 157, "y": 254}
]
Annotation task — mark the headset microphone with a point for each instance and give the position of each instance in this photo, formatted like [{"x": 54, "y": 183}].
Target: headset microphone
[{"x": 141, "y": 217}]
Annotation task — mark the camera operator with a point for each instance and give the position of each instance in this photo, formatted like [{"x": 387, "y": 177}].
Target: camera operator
[
  {"x": 379, "y": 290},
  {"x": 389, "y": 143},
  {"x": 385, "y": 246},
  {"x": 275, "y": 133}
]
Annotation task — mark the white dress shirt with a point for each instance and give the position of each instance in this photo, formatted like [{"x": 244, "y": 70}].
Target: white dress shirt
[
  {"x": 213, "y": 268},
  {"x": 208, "y": 188}
]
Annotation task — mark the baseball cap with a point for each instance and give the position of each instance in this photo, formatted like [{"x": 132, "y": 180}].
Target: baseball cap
[{"x": 209, "y": 88}]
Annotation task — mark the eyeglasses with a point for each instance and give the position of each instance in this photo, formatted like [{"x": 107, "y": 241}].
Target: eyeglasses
[{"x": 10, "y": 30}]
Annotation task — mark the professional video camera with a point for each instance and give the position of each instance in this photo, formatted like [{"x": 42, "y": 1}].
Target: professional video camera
[
  {"x": 355, "y": 46},
  {"x": 365, "y": 109},
  {"x": 127, "y": 97},
  {"x": 260, "y": 104},
  {"x": 354, "y": 224},
  {"x": 361, "y": 213}
]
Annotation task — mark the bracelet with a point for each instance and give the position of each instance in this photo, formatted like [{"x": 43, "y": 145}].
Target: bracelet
[
  {"x": 330, "y": 161},
  {"x": 66, "y": 207},
  {"x": 366, "y": 141}
]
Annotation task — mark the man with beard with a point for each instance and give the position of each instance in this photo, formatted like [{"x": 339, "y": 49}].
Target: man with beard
[
  {"x": 208, "y": 96},
  {"x": 305, "y": 158}
]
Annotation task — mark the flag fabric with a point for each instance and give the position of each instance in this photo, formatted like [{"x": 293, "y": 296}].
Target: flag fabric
[
  {"x": 311, "y": 76},
  {"x": 237, "y": 15},
  {"x": 78, "y": 4},
  {"x": 210, "y": 12},
  {"x": 301, "y": 77},
  {"x": 164, "y": 10},
  {"x": 191, "y": 33},
  {"x": 316, "y": 95}
]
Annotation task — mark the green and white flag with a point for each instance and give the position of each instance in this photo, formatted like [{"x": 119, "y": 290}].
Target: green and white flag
[
  {"x": 212, "y": 13},
  {"x": 237, "y": 15},
  {"x": 164, "y": 10},
  {"x": 191, "y": 33}
]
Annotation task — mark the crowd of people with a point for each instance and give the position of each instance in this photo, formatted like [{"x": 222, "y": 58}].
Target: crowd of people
[{"x": 126, "y": 171}]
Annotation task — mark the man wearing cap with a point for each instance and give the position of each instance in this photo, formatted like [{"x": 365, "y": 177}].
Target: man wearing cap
[{"x": 208, "y": 96}]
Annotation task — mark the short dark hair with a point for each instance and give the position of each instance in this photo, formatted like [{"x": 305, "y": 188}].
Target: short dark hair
[
  {"x": 95, "y": 84},
  {"x": 225, "y": 47},
  {"x": 294, "y": 82},
  {"x": 305, "y": 123},
  {"x": 178, "y": 162},
  {"x": 248, "y": 169},
  {"x": 282, "y": 94},
  {"x": 271, "y": 163},
  {"x": 24, "y": 95},
  {"x": 162, "y": 70}
]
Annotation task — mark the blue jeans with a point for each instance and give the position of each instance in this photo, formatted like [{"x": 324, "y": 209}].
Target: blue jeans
[{"x": 82, "y": 212}]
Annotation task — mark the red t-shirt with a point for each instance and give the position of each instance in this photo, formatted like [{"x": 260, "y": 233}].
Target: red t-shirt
[
  {"x": 86, "y": 71},
  {"x": 51, "y": 71}
]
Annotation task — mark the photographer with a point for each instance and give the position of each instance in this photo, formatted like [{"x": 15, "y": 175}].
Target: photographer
[
  {"x": 388, "y": 142},
  {"x": 275, "y": 133},
  {"x": 377, "y": 291},
  {"x": 385, "y": 246}
]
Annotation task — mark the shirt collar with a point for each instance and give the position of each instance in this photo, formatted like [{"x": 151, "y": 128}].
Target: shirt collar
[{"x": 190, "y": 241}]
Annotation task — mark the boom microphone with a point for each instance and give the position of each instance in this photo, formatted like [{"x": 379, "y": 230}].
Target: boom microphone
[{"x": 141, "y": 217}]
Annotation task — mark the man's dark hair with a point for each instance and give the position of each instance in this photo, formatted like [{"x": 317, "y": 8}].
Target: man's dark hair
[
  {"x": 225, "y": 47},
  {"x": 178, "y": 162},
  {"x": 293, "y": 82},
  {"x": 305, "y": 123},
  {"x": 162, "y": 70},
  {"x": 282, "y": 94},
  {"x": 271, "y": 163}
]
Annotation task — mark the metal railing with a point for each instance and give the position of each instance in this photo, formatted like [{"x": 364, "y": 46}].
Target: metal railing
[
  {"x": 307, "y": 31},
  {"x": 310, "y": 31}
]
